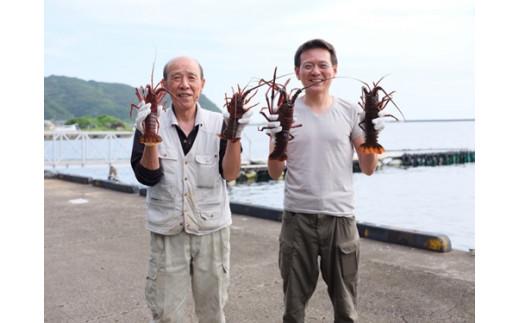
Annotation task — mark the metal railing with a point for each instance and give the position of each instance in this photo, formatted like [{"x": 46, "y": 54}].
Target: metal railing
[{"x": 86, "y": 147}]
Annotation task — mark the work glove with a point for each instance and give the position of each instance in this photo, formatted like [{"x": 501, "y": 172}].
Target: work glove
[
  {"x": 272, "y": 126},
  {"x": 144, "y": 109},
  {"x": 379, "y": 122},
  {"x": 242, "y": 122}
]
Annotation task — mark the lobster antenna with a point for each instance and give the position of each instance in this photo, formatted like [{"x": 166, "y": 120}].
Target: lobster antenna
[
  {"x": 281, "y": 76},
  {"x": 375, "y": 84},
  {"x": 285, "y": 75},
  {"x": 153, "y": 65},
  {"x": 298, "y": 91},
  {"x": 153, "y": 68},
  {"x": 367, "y": 85},
  {"x": 353, "y": 78},
  {"x": 251, "y": 80},
  {"x": 272, "y": 86},
  {"x": 391, "y": 100},
  {"x": 314, "y": 83}
]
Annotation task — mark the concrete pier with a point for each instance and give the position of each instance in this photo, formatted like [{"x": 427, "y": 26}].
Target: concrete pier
[{"x": 96, "y": 251}]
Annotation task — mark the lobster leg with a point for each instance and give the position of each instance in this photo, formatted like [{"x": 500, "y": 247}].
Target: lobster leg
[
  {"x": 384, "y": 102},
  {"x": 389, "y": 94},
  {"x": 361, "y": 126}
]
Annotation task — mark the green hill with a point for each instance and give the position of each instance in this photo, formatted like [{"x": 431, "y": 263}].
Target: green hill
[{"x": 69, "y": 97}]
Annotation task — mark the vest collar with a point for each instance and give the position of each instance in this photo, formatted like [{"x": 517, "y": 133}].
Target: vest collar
[{"x": 200, "y": 116}]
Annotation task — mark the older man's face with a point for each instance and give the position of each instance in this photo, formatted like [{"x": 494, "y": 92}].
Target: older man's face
[{"x": 184, "y": 82}]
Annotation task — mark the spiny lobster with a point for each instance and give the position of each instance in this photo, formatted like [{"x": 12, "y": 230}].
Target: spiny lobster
[
  {"x": 285, "y": 110},
  {"x": 153, "y": 95},
  {"x": 236, "y": 108},
  {"x": 372, "y": 105}
]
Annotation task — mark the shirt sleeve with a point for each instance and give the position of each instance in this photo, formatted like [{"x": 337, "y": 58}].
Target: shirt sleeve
[
  {"x": 143, "y": 175},
  {"x": 357, "y": 131},
  {"x": 222, "y": 151}
]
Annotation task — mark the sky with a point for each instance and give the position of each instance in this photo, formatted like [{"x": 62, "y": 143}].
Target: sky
[{"x": 426, "y": 50}]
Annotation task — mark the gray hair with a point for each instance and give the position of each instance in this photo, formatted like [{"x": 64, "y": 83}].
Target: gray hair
[{"x": 165, "y": 69}]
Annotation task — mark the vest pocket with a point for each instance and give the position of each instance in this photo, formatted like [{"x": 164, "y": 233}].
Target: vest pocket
[
  {"x": 166, "y": 152},
  {"x": 168, "y": 160},
  {"x": 161, "y": 194},
  {"x": 207, "y": 170},
  {"x": 162, "y": 203}
]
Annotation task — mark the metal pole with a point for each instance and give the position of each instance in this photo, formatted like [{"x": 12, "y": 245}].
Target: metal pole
[
  {"x": 109, "y": 148},
  {"x": 54, "y": 150},
  {"x": 83, "y": 149}
]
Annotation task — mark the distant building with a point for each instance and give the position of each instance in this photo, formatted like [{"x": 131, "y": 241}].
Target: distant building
[
  {"x": 57, "y": 127},
  {"x": 48, "y": 125},
  {"x": 67, "y": 128}
]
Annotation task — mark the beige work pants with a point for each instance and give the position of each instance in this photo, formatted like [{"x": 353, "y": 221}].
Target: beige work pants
[
  {"x": 181, "y": 260},
  {"x": 305, "y": 238}
]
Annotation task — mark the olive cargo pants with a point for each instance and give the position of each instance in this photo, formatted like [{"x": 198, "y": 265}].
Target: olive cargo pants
[
  {"x": 335, "y": 240},
  {"x": 182, "y": 262}
]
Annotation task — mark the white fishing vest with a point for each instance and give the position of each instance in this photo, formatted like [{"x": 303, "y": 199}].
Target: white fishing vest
[{"x": 192, "y": 195}]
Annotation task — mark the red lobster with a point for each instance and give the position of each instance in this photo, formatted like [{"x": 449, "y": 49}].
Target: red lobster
[
  {"x": 371, "y": 103},
  {"x": 153, "y": 95},
  {"x": 285, "y": 111},
  {"x": 235, "y": 107}
]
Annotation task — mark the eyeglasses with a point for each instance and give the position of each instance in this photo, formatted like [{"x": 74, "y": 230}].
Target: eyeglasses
[{"x": 310, "y": 66}]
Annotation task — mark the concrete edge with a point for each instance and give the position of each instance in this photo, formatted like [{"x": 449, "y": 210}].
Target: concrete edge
[
  {"x": 49, "y": 174},
  {"x": 412, "y": 238},
  {"x": 257, "y": 211},
  {"x": 115, "y": 186},
  {"x": 74, "y": 178}
]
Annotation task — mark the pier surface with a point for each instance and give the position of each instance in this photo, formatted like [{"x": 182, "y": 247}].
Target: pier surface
[{"x": 96, "y": 251}]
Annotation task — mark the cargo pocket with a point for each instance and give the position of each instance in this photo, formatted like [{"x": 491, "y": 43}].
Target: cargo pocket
[
  {"x": 286, "y": 239},
  {"x": 225, "y": 249},
  {"x": 349, "y": 254},
  {"x": 153, "y": 293},
  {"x": 285, "y": 259}
]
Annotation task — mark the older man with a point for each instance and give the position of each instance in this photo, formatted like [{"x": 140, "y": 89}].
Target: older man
[{"x": 188, "y": 211}]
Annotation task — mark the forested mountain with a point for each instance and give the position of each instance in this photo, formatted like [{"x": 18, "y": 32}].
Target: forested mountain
[{"x": 69, "y": 97}]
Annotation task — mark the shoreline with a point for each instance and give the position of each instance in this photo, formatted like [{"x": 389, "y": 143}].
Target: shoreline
[{"x": 426, "y": 239}]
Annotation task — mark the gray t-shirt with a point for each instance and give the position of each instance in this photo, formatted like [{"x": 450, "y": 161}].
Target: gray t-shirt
[{"x": 319, "y": 163}]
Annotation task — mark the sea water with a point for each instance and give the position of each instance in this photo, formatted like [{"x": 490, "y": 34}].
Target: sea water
[{"x": 434, "y": 199}]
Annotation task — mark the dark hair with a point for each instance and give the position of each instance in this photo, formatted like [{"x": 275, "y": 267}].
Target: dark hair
[
  {"x": 165, "y": 70},
  {"x": 315, "y": 43}
]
